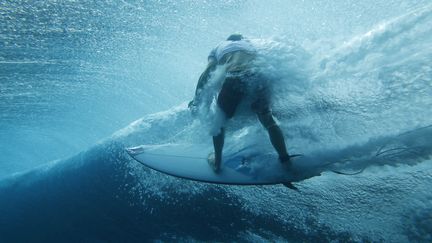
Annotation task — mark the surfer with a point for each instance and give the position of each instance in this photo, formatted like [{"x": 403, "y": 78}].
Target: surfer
[{"x": 236, "y": 56}]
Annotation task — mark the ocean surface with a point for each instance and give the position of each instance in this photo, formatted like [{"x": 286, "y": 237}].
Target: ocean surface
[{"x": 82, "y": 80}]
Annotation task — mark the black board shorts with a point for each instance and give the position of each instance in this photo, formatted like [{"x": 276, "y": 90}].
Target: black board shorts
[{"x": 237, "y": 86}]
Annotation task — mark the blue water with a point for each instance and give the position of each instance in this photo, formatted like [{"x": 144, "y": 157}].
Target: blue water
[{"x": 79, "y": 81}]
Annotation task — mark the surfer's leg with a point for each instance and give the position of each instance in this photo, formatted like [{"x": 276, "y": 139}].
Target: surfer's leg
[
  {"x": 228, "y": 99},
  {"x": 218, "y": 143},
  {"x": 261, "y": 106},
  {"x": 230, "y": 95},
  {"x": 275, "y": 133}
]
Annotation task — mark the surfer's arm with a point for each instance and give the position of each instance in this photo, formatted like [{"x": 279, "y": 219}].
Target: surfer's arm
[{"x": 203, "y": 79}]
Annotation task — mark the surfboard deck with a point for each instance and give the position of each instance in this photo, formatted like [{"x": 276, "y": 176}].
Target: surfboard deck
[{"x": 246, "y": 166}]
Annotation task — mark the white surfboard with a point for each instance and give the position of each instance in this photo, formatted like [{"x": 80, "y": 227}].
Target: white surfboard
[{"x": 244, "y": 167}]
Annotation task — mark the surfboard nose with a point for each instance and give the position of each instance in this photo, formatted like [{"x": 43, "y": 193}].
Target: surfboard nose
[{"x": 135, "y": 150}]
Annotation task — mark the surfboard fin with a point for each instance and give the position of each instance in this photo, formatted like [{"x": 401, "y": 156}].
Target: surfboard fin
[
  {"x": 295, "y": 155},
  {"x": 290, "y": 186}
]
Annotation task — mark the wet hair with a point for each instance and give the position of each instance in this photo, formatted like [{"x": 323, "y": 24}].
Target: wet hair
[{"x": 235, "y": 37}]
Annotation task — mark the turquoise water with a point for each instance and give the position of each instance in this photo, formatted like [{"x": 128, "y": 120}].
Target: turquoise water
[{"x": 354, "y": 79}]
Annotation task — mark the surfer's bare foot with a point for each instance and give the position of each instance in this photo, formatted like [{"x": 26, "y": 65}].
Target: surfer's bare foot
[
  {"x": 287, "y": 163},
  {"x": 285, "y": 159},
  {"x": 211, "y": 159}
]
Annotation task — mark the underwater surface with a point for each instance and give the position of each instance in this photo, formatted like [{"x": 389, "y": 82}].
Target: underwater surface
[{"x": 82, "y": 80}]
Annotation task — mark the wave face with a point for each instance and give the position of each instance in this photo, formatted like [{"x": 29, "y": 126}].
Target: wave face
[
  {"x": 360, "y": 100},
  {"x": 103, "y": 195}
]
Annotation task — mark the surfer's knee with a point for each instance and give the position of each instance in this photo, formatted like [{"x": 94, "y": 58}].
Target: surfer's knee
[{"x": 267, "y": 119}]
